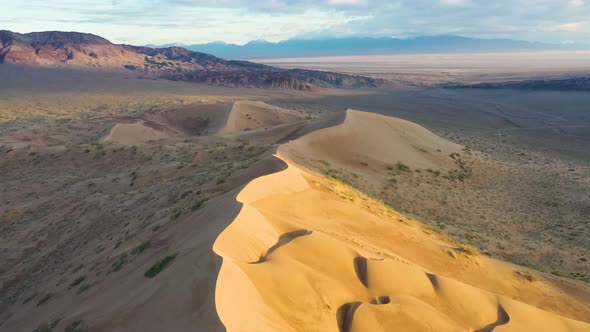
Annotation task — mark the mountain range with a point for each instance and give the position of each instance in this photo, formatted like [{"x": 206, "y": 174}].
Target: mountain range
[
  {"x": 81, "y": 50},
  {"x": 260, "y": 49}
]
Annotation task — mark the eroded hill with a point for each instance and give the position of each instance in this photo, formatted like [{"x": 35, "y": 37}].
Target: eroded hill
[{"x": 87, "y": 51}]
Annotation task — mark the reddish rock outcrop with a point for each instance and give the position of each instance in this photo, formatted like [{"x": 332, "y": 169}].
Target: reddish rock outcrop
[{"x": 74, "y": 49}]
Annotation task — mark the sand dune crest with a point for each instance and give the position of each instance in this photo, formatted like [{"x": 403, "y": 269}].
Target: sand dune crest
[{"x": 310, "y": 254}]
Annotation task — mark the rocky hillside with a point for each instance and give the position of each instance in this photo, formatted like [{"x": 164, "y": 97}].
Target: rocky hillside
[{"x": 73, "y": 49}]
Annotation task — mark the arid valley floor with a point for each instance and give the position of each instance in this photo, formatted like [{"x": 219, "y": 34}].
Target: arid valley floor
[{"x": 134, "y": 204}]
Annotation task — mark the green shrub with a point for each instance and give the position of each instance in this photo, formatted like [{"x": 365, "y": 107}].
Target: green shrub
[
  {"x": 141, "y": 248},
  {"x": 83, "y": 288},
  {"x": 77, "y": 281},
  {"x": 469, "y": 249},
  {"x": 175, "y": 215},
  {"x": 402, "y": 167},
  {"x": 197, "y": 205},
  {"x": 119, "y": 263},
  {"x": 159, "y": 266},
  {"x": 44, "y": 299},
  {"x": 77, "y": 326}
]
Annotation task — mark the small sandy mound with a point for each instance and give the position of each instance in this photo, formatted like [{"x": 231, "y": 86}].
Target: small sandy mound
[
  {"x": 251, "y": 115},
  {"x": 133, "y": 133}
]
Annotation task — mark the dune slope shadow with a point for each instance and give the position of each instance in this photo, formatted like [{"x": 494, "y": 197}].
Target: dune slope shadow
[
  {"x": 503, "y": 319},
  {"x": 361, "y": 270},
  {"x": 345, "y": 315},
  {"x": 283, "y": 240}
]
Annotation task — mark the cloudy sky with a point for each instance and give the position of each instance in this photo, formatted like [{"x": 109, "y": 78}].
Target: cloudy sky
[{"x": 239, "y": 21}]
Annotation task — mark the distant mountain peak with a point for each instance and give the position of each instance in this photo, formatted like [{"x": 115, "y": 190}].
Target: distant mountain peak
[
  {"x": 300, "y": 47},
  {"x": 82, "y": 50}
]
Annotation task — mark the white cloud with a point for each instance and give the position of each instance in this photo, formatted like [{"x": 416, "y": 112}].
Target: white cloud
[
  {"x": 238, "y": 21},
  {"x": 572, "y": 26},
  {"x": 453, "y": 2}
]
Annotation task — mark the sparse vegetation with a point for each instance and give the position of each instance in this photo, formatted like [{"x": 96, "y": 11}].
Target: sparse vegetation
[
  {"x": 526, "y": 275},
  {"x": 141, "y": 248},
  {"x": 47, "y": 327},
  {"x": 77, "y": 281},
  {"x": 176, "y": 215},
  {"x": 84, "y": 287},
  {"x": 159, "y": 266},
  {"x": 469, "y": 249},
  {"x": 28, "y": 299},
  {"x": 77, "y": 326},
  {"x": 119, "y": 263},
  {"x": 44, "y": 299},
  {"x": 402, "y": 167}
]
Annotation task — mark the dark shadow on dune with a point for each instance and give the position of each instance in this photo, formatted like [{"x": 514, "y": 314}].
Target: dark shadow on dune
[
  {"x": 345, "y": 315},
  {"x": 360, "y": 268},
  {"x": 381, "y": 300},
  {"x": 503, "y": 319},
  {"x": 283, "y": 240},
  {"x": 433, "y": 280}
]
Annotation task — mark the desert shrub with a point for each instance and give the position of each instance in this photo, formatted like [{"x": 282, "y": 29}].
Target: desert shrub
[
  {"x": 176, "y": 215},
  {"x": 197, "y": 205},
  {"x": 44, "y": 299},
  {"x": 28, "y": 299},
  {"x": 77, "y": 281},
  {"x": 83, "y": 288},
  {"x": 141, "y": 248},
  {"x": 402, "y": 167},
  {"x": 364, "y": 164},
  {"x": 469, "y": 249},
  {"x": 159, "y": 266},
  {"x": 119, "y": 263},
  {"x": 77, "y": 326},
  {"x": 526, "y": 275},
  {"x": 47, "y": 327}
]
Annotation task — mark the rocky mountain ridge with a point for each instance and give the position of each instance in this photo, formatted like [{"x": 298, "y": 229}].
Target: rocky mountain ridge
[{"x": 82, "y": 50}]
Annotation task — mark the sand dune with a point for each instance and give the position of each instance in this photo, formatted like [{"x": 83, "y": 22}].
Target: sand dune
[
  {"x": 293, "y": 251},
  {"x": 133, "y": 133},
  {"x": 310, "y": 254},
  {"x": 250, "y": 115},
  {"x": 365, "y": 140},
  {"x": 245, "y": 120}
]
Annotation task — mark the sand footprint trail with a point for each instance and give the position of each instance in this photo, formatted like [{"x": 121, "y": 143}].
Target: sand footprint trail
[{"x": 300, "y": 257}]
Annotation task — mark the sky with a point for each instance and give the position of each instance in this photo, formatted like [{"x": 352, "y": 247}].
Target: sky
[{"x": 239, "y": 21}]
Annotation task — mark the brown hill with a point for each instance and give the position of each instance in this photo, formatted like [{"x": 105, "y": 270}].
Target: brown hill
[{"x": 73, "y": 49}]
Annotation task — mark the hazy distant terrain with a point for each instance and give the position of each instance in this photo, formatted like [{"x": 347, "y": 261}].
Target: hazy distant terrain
[
  {"x": 428, "y": 69},
  {"x": 260, "y": 49}
]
